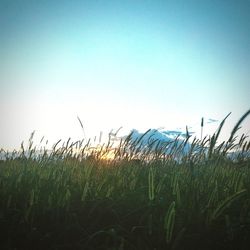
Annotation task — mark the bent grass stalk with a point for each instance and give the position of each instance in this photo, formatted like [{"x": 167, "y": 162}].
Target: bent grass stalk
[{"x": 169, "y": 222}]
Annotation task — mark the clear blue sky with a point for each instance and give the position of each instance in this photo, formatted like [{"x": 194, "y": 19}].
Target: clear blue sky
[{"x": 136, "y": 64}]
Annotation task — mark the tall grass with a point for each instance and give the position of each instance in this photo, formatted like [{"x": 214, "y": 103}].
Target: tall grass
[{"x": 183, "y": 194}]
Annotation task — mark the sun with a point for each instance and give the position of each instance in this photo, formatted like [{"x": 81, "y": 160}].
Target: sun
[{"x": 109, "y": 155}]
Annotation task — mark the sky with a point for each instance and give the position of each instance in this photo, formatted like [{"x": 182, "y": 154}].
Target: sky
[{"x": 136, "y": 64}]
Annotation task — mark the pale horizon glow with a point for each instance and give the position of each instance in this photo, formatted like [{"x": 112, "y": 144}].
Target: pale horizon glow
[{"x": 135, "y": 64}]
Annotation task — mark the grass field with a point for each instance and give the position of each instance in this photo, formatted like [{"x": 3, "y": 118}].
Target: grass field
[{"x": 130, "y": 196}]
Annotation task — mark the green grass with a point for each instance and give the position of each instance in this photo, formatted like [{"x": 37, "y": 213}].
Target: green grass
[{"x": 77, "y": 197}]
